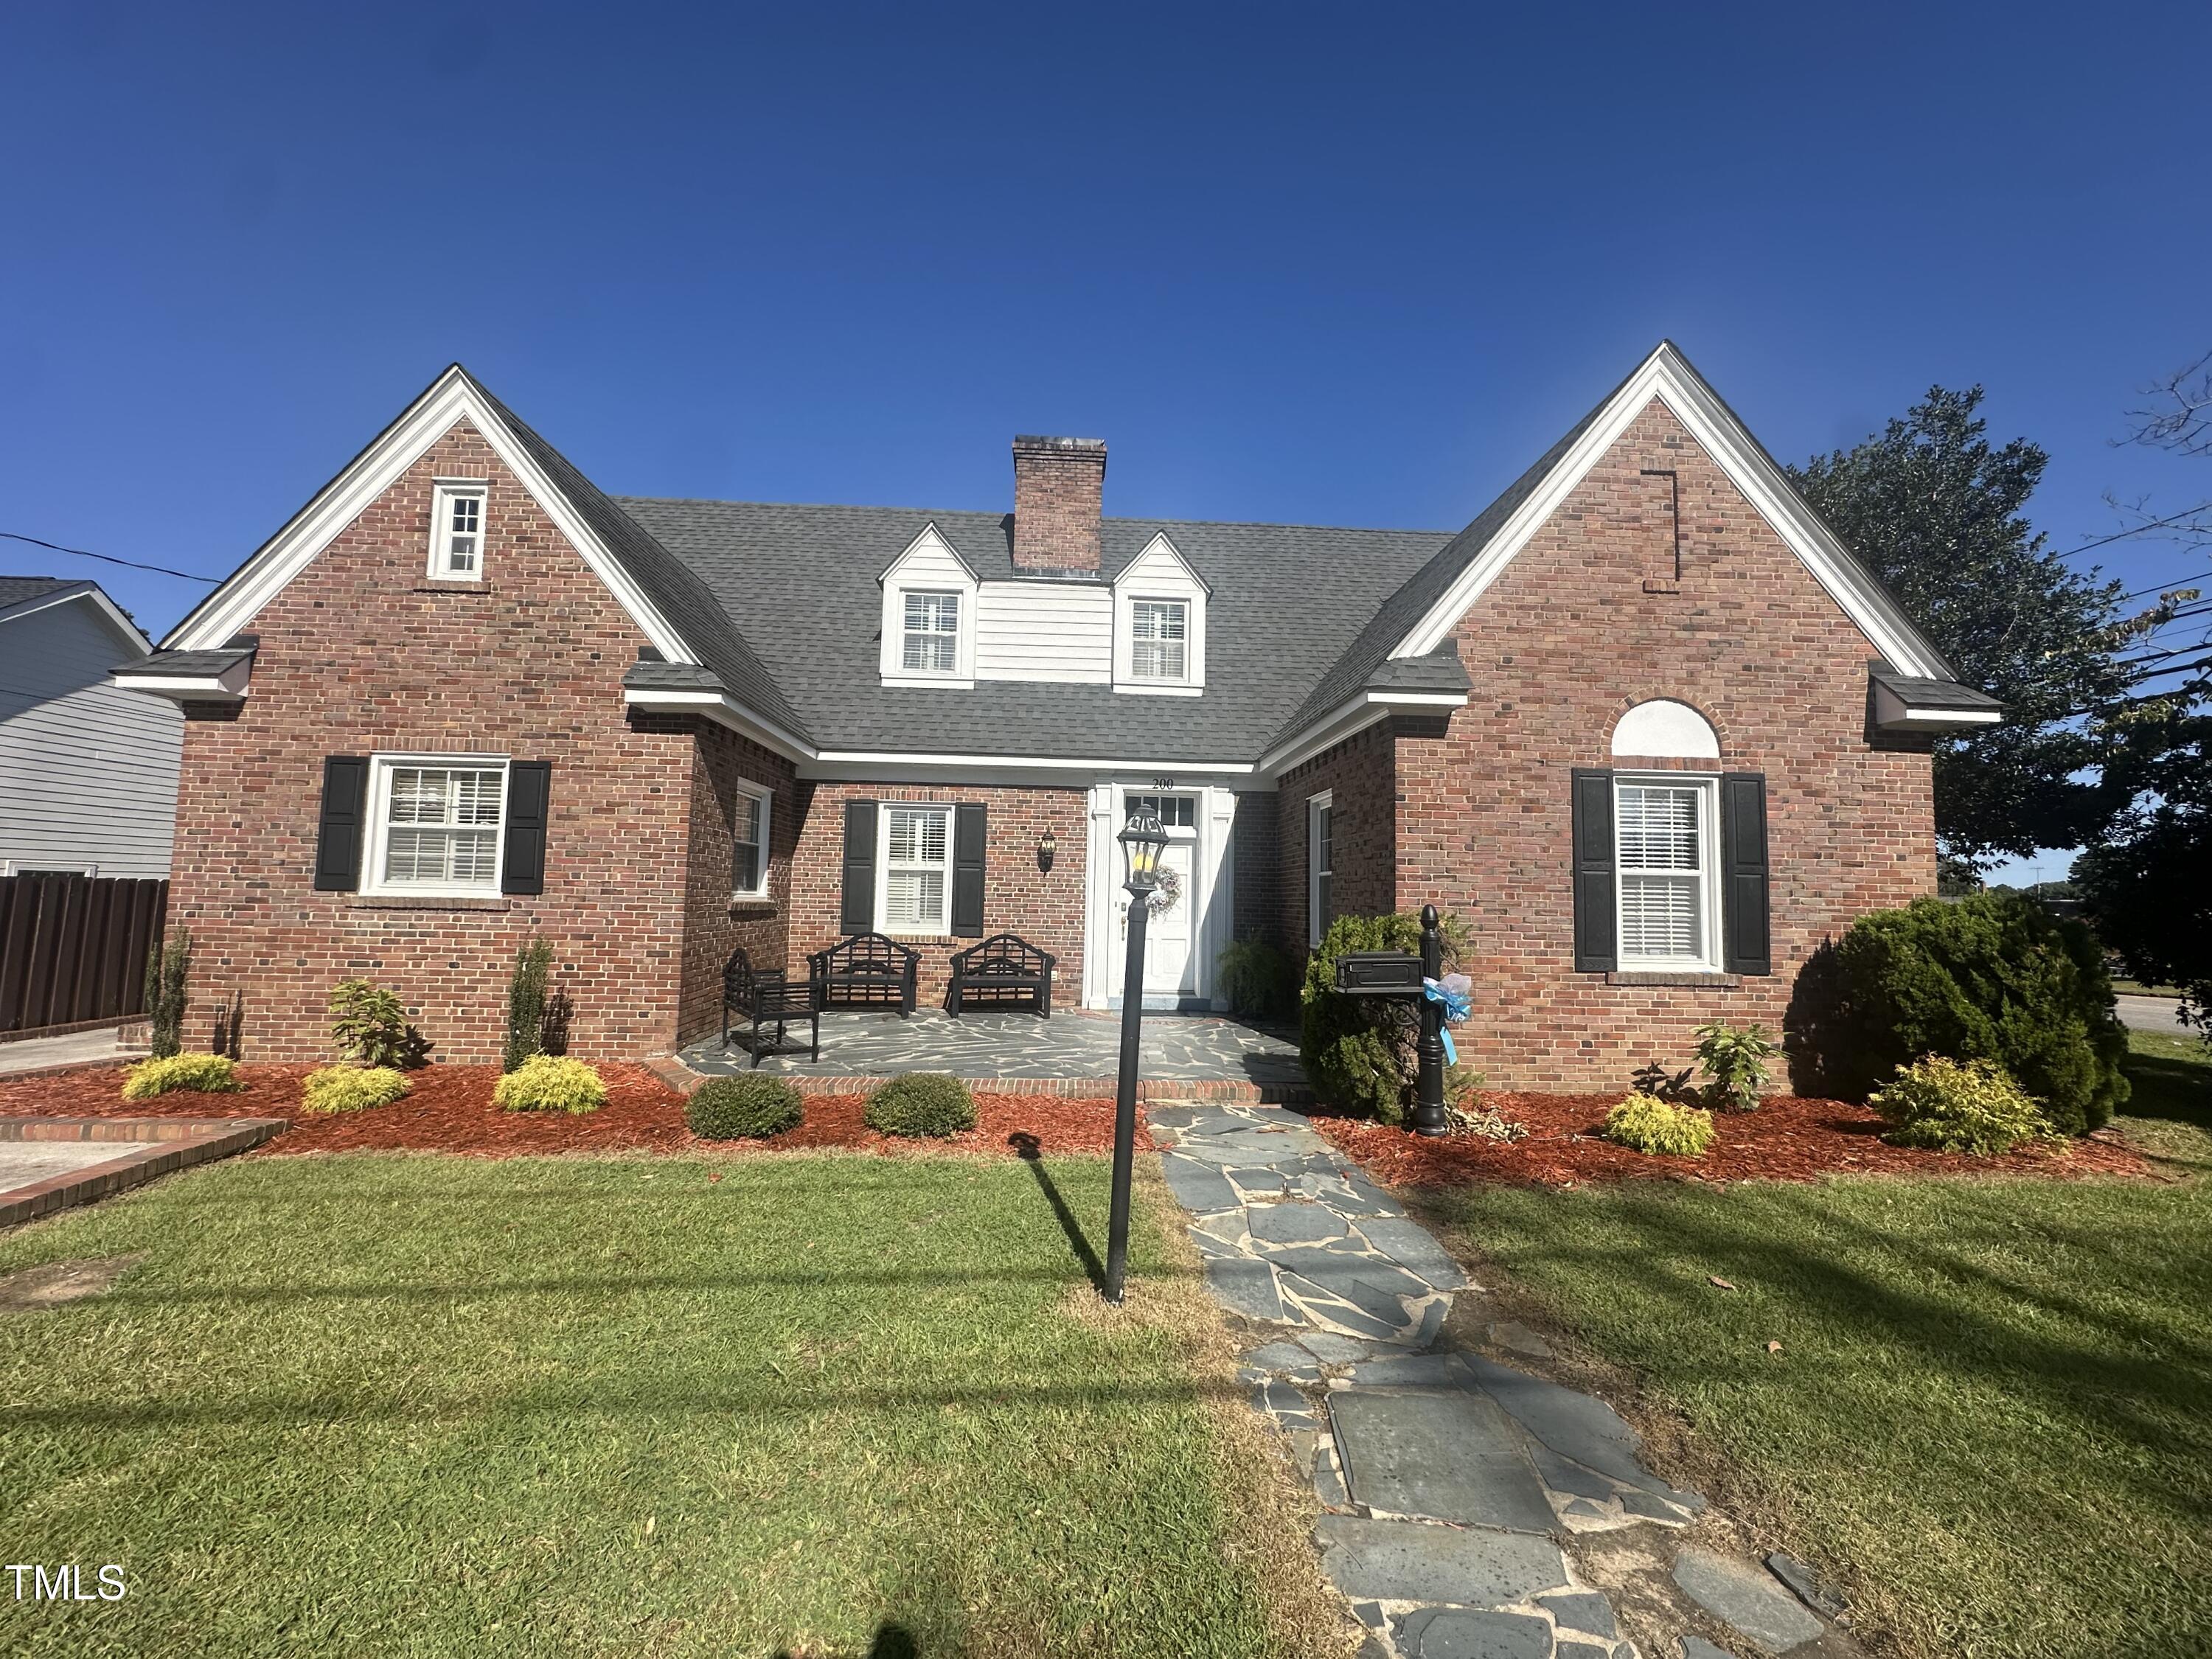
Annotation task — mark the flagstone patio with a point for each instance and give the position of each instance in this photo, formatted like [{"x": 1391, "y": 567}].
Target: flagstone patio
[{"x": 993, "y": 1046}]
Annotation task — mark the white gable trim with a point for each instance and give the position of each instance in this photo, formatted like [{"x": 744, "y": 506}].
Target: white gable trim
[
  {"x": 1667, "y": 377},
  {"x": 105, "y": 608},
  {"x": 1160, "y": 544},
  {"x": 930, "y": 540},
  {"x": 452, "y": 398}
]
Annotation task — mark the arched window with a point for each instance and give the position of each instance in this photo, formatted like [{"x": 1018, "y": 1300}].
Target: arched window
[{"x": 1664, "y": 729}]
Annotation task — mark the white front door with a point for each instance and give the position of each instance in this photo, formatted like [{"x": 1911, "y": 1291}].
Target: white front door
[{"x": 1168, "y": 958}]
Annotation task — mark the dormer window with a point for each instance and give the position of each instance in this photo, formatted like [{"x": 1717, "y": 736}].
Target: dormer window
[
  {"x": 931, "y": 641},
  {"x": 1159, "y": 638},
  {"x": 457, "y": 532}
]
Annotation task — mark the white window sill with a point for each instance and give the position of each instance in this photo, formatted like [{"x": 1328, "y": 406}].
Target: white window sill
[
  {"x": 949, "y": 682},
  {"x": 1710, "y": 978},
  {"x": 1159, "y": 688},
  {"x": 752, "y": 901}
]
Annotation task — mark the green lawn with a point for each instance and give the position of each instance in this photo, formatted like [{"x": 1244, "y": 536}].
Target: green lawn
[
  {"x": 1992, "y": 1409},
  {"x": 428, "y": 1405}
]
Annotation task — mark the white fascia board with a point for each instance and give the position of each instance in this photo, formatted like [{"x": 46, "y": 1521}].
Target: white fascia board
[
  {"x": 1892, "y": 714},
  {"x": 452, "y": 398},
  {"x": 722, "y": 708},
  {"x": 891, "y": 766},
  {"x": 106, "y": 609},
  {"x": 229, "y": 686},
  {"x": 1354, "y": 715},
  {"x": 929, "y": 532},
  {"x": 1666, "y": 376}
]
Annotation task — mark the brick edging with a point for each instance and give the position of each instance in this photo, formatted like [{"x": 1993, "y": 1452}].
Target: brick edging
[
  {"x": 96, "y": 1180},
  {"x": 682, "y": 1078}
]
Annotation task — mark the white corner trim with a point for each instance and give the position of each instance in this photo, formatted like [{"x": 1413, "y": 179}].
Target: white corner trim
[
  {"x": 1350, "y": 718},
  {"x": 1666, "y": 376},
  {"x": 452, "y": 398}
]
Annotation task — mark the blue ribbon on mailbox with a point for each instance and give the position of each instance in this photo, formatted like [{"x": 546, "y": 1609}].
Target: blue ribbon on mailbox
[{"x": 1452, "y": 990}]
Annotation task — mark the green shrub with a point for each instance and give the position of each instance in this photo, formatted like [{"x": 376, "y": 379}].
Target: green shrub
[
  {"x": 352, "y": 1088},
  {"x": 1257, "y": 980},
  {"x": 742, "y": 1107},
  {"x": 1953, "y": 1108},
  {"x": 1990, "y": 977},
  {"x": 1735, "y": 1057},
  {"x": 1357, "y": 1052},
  {"x": 550, "y": 1083},
  {"x": 921, "y": 1103},
  {"x": 370, "y": 1027},
  {"x": 206, "y": 1074},
  {"x": 168, "y": 967},
  {"x": 526, "y": 1004},
  {"x": 1643, "y": 1124}
]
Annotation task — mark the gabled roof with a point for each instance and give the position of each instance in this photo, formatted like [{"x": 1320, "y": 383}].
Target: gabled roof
[
  {"x": 13, "y": 590},
  {"x": 25, "y": 596}
]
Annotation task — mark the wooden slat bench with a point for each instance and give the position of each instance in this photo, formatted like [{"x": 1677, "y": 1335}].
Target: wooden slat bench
[
  {"x": 1005, "y": 968},
  {"x": 767, "y": 997},
  {"x": 867, "y": 970}
]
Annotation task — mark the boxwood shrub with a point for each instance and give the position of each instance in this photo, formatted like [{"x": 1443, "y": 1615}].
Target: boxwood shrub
[
  {"x": 1951, "y": 1108},
  {"x": 352, "y": 1088},
  {"x": 1644, "y": 1123},
  {"x": 206, "y": 1074},
  {"x": 550, "y": 1082},
  {"x": 921, "y": 1103},
  {"x": 743, "y": 1108},
  {"x": 1994, "y": 976}
]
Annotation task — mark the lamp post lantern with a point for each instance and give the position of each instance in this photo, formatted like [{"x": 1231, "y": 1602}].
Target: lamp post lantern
[{"x": 1142, "y": 840}]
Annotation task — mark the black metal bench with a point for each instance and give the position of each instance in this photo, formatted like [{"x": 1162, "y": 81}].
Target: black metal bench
[
  {"x": 1005, "y": 968},
  {"x": 867, "y": 971},
  {"x": 767, "y": 997}
]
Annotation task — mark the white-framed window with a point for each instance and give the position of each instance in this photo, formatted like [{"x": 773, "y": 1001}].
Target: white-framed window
[
  {"x": 437, "y": 824},
  {"x": 913, "y": 881},
  {"x": 1320, "y": 862},
  {"x": 1665, "y": 872},
  {"x": 752, "y": 820},
  {"x": 1159, "y": 638},
  {"x": 1174, "y": 811},
  {"x": 457, "y": 531},
  {"x": 930, "y": 633}
]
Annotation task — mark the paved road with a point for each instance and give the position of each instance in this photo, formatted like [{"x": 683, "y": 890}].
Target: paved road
[{"x": 2150, "y": 1014}]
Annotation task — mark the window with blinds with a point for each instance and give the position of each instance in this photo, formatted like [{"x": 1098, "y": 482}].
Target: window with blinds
[
  {"x": 441, "y": 826},
  {"x": 917, "y": 861},
  {"x": 1159, "y": 634},
  {"x": 1663, "y": 853},
  {"x": 932, "y": 634}
]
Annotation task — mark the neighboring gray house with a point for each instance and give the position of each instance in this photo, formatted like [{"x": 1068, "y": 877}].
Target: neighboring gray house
[{"x": 88, "y": 770}]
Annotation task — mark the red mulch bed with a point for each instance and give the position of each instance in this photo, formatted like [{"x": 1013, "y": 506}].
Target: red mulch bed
[
  {"x": 449, "y": 1110},
  {"x": 1788, "y": 1138}
]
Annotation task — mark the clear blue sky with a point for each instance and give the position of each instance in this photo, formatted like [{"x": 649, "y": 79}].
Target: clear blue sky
[{"x": 1355, "y": 267}]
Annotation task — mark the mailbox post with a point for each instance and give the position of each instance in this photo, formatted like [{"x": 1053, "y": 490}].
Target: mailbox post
[{"x": 1396, "y": 975}]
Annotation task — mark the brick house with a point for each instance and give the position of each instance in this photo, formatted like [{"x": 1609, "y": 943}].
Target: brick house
[{"x": 1645, "y": 724}]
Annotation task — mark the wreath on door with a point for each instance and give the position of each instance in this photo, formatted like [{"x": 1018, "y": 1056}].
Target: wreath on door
[{"x": 1166, "y": 892}]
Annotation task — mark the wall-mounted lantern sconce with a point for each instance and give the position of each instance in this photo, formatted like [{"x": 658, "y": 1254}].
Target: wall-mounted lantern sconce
[{"x": 1045, "y": 847}]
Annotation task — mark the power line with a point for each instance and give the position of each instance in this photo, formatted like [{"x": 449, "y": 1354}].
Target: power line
[
  {"x": 2121, "y": 536},
  {"x": 2167, "y": 587},
  {"x": 109, "y": 558}
]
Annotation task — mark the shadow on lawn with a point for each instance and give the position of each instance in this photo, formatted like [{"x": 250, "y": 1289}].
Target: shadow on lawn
[
  {"x": 892, "y": 1640},
  {"x": 1027, "y": 1148}
]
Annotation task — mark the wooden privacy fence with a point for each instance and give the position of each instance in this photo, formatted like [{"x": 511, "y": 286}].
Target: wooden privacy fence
[{"x": 73, "y": 949}]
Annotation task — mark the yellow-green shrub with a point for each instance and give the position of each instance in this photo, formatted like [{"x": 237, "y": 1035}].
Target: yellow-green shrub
[
  {"x": 1644, "y": 1123},
  {"x": 352, "y": 1088},
  {"x": 550, "y": 1082},
  {"x": 206, "y": 1074},
  {"x": 1947, "y": 1107}
]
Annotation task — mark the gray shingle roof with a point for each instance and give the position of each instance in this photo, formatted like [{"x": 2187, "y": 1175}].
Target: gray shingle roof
[
  {"x": 13, "y": 590},
  {"x": 1916, "y": 691},
  {"x": 801, "y": 582},
  {"x": 183, "y": 663}
]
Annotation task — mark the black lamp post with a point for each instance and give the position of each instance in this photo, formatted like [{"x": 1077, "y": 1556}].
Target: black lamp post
[{"x": 1142, "y": 840}]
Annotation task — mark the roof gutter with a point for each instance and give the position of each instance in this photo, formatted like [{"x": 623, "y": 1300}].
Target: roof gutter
[{"x": 1355, "y": 714}]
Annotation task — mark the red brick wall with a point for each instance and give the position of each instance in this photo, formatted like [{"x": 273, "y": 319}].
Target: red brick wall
[
  {"x": 1044, "y": 908},
  {"x": 1060, "y": 486},
  {"x": 361, "y": 654},
  {"x": 1258, "y": 899},
  {"x": 1566, "y": 641},
  {"x": 718, "y": 923},
  {"x": 1361, "y": 772}
]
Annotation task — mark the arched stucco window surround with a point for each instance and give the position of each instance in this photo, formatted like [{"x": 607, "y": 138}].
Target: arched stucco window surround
[{"x": 1664, "y": 728}]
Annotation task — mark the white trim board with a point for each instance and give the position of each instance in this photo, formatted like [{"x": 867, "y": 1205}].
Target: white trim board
[
  {"x": 1668, "y": 376},
  {"x": 452, "y": 397}
]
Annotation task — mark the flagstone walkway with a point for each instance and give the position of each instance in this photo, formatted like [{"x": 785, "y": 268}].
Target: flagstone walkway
[{"x": 1474, "y": 1510}]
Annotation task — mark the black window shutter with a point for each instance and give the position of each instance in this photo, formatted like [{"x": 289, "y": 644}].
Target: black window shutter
[
  {"x": 969, "y": 824},
  {"x": 858, "y": 911},
  {"x": 338, "y": 834},
  {"x": 1597, "y": 939},
  {"x": 529, "y": 795},
  {"x": 1743, "y": 874}
]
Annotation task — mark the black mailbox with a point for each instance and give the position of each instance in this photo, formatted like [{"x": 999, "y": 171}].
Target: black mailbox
[{"x": 1379, "y": 973}]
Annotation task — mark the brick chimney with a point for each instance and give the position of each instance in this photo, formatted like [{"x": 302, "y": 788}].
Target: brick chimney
[{"x": 1060, "y": 487}]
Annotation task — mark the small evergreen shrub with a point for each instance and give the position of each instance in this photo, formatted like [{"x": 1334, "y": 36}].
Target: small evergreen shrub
[
  {"x": 166, "y": 970},
  {"x": 1357, "y": 1052},
  {"x": 370, "y": 1027},
  {"x": 352, "y": 1088},
  {"x": 1735, "y": 1057},
  {"x": 743, "y": 1108},
  {"x": 1643, "y": 1124},
  {"x": 550, "y": 1083},
  {"x": 1947, "y": 1107},
  {"x": 924, "y": 1103},
  {"x": 1257, "y": 980},
  {"x": 526, "y": 1004},
  {"x": 205, "y": 1074},
  {"x": 1994, "y": 976}
]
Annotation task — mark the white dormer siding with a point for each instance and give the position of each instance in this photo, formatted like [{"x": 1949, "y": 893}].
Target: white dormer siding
[
  {"x": 944, "y": 590},
  {"x": 1156, "y": 597},
  {"x": 1048, "y": 629}
]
